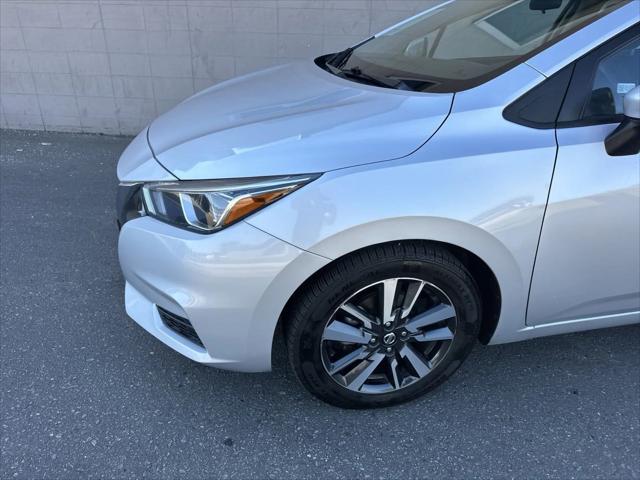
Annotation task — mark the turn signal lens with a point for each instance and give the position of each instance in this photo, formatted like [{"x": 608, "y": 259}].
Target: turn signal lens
[{"x": 247, "y": 205}]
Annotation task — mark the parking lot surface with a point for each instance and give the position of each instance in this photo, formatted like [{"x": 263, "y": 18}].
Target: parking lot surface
[{"x": 86, "y": 393}]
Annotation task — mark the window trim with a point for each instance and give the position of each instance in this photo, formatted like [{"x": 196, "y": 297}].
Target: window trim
[{"x": 549, "y": 95}]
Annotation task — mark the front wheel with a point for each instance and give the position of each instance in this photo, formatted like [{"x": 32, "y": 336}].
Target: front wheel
[{"x": 383, "y": 325}]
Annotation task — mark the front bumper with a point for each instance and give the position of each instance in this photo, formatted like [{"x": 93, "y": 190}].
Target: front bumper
[{"x": 231, "y": 286}]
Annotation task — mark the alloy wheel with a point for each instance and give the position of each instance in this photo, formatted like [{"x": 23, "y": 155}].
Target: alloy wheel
[{"x": 388, "y": 335}]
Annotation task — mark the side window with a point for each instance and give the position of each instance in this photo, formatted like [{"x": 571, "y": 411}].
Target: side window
[
  {"x": 615, "y": 75},
  {"x": 600, "y": 81}
]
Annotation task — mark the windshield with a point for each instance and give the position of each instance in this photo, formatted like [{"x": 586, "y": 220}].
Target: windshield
[{"x": 463, "y": 43}]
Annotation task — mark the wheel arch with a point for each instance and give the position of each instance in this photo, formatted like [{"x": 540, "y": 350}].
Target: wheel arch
[
  {"x": 485, "y": 278},
  {"x": 494, "y": 266}
]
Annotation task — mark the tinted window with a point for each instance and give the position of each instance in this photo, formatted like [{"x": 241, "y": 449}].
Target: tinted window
[
  {"x": 462, "y": 44},
  {"x": 600, "y": 80},
  {"x": 506, "y": 24},
  {"x": 615, "y": 75}
]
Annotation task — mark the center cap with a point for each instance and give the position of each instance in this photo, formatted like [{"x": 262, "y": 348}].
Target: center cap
[{"x": 389, "y": 338}]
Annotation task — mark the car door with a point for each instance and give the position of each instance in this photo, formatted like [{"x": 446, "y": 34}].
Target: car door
[{"x": 588, "y": 262}]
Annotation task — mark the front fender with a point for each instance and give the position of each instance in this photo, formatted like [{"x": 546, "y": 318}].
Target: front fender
[{"x": 489, "y": 203}]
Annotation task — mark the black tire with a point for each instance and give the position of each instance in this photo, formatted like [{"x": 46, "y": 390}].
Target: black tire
[{"x": 314, "y": 305}]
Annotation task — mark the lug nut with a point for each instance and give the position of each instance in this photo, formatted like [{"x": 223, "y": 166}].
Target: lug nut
[
  {"x": 389, "y": 349},
  {"x": 373, "y": 341},
  {"x": 388, "y": 324},
  {"x": 404, "y": 333}
]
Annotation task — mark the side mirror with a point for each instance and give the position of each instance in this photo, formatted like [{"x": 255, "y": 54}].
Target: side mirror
[{"x": 625, "y": 140}]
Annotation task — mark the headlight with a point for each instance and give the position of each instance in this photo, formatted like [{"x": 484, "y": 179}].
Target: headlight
[{"x": 208, "y": 206}]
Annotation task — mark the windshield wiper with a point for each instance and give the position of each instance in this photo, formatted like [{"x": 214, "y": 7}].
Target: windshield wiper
[
  {"x": 357, "y": 74},
  {"x": 339, "y": 59}
]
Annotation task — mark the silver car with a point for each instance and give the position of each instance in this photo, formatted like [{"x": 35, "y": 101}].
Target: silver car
[{"x": 470, "y": 174}]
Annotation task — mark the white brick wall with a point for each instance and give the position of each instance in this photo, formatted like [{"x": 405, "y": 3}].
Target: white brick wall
[{"x": 110, "y": 66}]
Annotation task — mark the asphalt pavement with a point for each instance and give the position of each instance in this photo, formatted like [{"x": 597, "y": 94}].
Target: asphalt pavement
[{"x": 86, "y": 393}]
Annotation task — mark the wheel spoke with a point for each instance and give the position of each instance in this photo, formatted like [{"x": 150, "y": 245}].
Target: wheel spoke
[
  {"x": 438, "y": 334},
  {"x": 389, "y": 294},
  {"x": 362, "y": 375},
  {"x": 431, "y": 316},
  {"x": 413, "y": 292},
  {"x": 394, "y": 372},
  {"x": 358, "y": 354},
  {"x": 341, "y": 332},
  {"x": 358, "y": 314},
  {"x": 421, "y": 366}
]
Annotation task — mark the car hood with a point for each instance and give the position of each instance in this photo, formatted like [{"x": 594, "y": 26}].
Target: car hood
[{"x": 292, "y": 119}]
